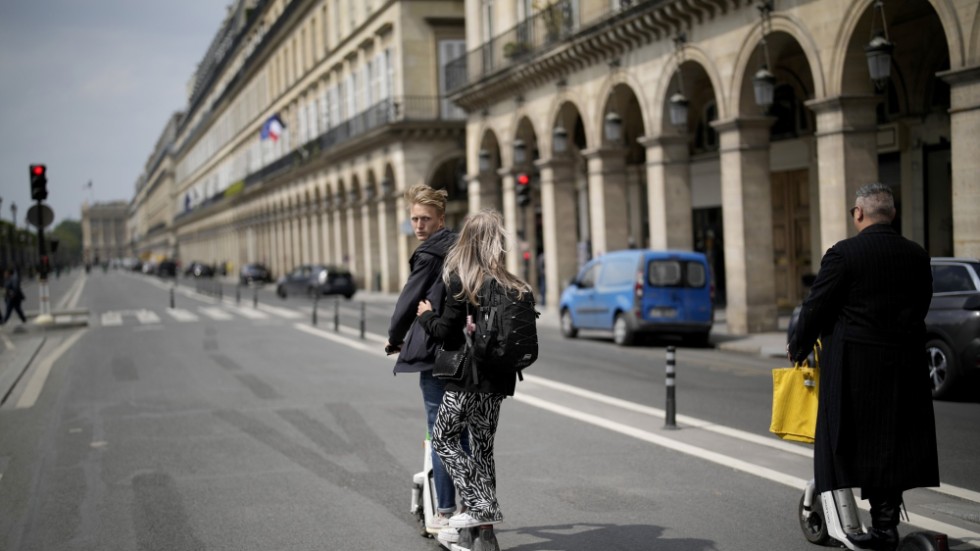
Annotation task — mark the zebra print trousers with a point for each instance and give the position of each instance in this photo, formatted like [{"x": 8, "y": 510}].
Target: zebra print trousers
[{"x": 474, "y": 475}]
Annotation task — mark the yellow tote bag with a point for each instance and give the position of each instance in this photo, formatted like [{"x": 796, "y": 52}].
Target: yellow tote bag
[{"x": 794, "y": 401}]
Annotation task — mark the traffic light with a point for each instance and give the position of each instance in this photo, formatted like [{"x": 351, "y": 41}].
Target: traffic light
[
  {"x": 39, "y": 182},
  {"x": 523, "y": 189}
]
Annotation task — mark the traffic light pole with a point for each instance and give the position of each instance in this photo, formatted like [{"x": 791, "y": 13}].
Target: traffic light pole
[{"x": 44, "y": 299}]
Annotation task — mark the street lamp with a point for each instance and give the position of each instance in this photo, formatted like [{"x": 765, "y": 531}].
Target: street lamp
[
  {"x": 559, "y": 137},
  {"x": 879, "y": 49},
  {"x": 613, "y": 126},
  {"x": 520, "y": 152},
  {"x": 677, "y": 105},
  {"x": 764, "y": 82}
]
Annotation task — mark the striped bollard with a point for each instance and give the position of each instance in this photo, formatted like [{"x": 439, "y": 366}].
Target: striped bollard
[{"x": 670, "y": 420}]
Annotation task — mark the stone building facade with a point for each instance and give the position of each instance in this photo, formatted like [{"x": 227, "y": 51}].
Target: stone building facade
[
  {"x": 306, "y": 121},
  {"x": 578, "y": 95},
  {"x": 104, "y": 234},
  {"x": 307, "y": 118}
]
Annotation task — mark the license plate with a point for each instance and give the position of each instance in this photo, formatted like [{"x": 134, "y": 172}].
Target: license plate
[{"x": 663, "y": 313}]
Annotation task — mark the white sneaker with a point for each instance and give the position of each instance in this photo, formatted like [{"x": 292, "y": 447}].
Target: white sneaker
[
  {"x": 448, "y": 535},
  {"x": 437, "y": 523},
  {"x": 465, "y": 520}
]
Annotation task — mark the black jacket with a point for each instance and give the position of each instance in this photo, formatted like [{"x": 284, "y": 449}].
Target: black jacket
[
  {"x": 424, "y": 282},
  {"x": 448, "y": 328},
  {"x": 875, "y": 424}
]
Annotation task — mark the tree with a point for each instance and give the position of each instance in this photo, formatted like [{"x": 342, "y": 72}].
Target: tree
[{"x": 69, "y": 236}]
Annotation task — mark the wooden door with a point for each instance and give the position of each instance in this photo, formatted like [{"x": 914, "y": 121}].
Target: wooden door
[{"x": 790, "y": 234}]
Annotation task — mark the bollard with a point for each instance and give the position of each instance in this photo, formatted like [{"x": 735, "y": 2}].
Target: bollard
[
  {"x": 171, "y": 297},
  {"x": 363, "y": 318},
  {"x": 316, "y": 300},
  {"x": 336, "y": 314},
  {"x": 255, "y": 297},
  {"x": 238, "y": 294},
  {"x": 671, "y": 410}
]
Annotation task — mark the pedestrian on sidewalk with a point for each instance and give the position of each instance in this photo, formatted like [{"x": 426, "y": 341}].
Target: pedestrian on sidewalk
[
  {"x": 471, "y": 405},
  {"x": 416, "y": 350},
  {"x": 13, "y": 296},
  {"x": 875, "y": 423}
]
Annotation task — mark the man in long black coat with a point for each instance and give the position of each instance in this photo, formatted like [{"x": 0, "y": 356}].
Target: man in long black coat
[{"x": 875, "y": 425}]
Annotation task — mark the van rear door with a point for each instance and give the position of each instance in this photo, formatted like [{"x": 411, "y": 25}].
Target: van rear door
[{"x": 677, "y": 291}]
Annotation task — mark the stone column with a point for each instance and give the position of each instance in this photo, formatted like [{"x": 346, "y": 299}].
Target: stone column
[
  {"x": 558, "y": 221},
  {"x": 847, "y": 158},
  {"x": 338, "y": 230},
  {"x": 964, "y": 121},
  {"x": 355, "y": 264},
  {"x": 510, "y": 219},
  {"x": 388, "y": 249},
  {"x": 746, "y": 198},
  {"x": 609, "y": 212},
  {"x": 669, "y": 192},
  {"x": 483, "y": 192},
  {"x": 369, "y": 250}
]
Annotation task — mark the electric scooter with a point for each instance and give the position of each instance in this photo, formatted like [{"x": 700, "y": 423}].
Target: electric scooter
[
  {"x": 827, "y": 518},
  {"x": 424, "y": 509}
]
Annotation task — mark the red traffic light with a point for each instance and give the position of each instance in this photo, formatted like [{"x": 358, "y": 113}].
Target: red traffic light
[
  {"x": 38, "y": 170},
  {"x": 523, "y": 179}
]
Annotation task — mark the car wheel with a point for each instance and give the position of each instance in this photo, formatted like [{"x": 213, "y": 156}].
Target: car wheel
[
  {"x": 623, "y": 334},
  {"x": 281, "y": 291},
  {"x": 568, "y": 329},
  {"x": 942, "y": 368}
]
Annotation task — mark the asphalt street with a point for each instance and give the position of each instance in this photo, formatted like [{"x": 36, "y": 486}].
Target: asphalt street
[{"x": 231, "y": 421}]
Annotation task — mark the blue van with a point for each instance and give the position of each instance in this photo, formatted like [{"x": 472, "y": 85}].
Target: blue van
[{"x": 637, "y": 292}]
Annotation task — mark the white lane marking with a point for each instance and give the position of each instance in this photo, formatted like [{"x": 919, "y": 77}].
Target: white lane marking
[
  {"x": 215, "y": 313},
  {"x": 70, "y": 300},
  {"x": 36, "y": 383},
  {"x": 281, "y": 312},
  {"x": 147, "y": 316},
  {"x": 358, "y": 344},
  {"x": 180, "y": 314},
  {"x": 7, "y": 343},
  {"x": 248, "y": 313},
  {"x": 111, "y": 318}
]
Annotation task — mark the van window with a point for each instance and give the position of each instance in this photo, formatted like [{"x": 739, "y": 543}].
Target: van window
[
  {"x": 618, "y": 272},
  {"x": 588, "y": 277},
  {"x": 676, "y": 273}
]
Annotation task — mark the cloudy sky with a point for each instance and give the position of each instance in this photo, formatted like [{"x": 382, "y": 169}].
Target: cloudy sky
[{"x": 86, "y": 88}]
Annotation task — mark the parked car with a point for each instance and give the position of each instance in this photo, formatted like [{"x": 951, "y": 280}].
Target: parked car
[
  {"x": 197, "y": 269},
  {"x": 167, "y": 268},
  {"x": 636, "y": 292},
  {"x": 311, "y": 279},
  {"x": 254, "y": 273},
  {"x": 952, "y": 325}
]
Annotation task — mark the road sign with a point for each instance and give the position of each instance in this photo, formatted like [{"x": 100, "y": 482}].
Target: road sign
[{"x": 41, "y": 220}]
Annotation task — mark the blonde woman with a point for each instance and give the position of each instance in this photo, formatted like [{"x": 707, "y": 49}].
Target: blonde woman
[{"x": 476, "y": 260}]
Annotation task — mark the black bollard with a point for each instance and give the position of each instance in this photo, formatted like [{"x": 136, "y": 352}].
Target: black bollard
[
  {"x": 171, "y": 297},
  {"x": 363, "y": 318},
  {"x": 670, "y": 421},
  {"x": 336, "y": 314},
  {"x": 316, "y": 300},
  {"x": 255, "y": 297},
  {"x": 238, "y": 294}
]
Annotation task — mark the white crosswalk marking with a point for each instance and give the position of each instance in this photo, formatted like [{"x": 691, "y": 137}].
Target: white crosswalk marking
[
  {"x": 281, "y": 312},
  {"x": 180, "y": 314},
  {"x": 111, "y": 318},
  {"x": 249, "y": 313},
  {"x": 147, "y": 316},
  {"x": 215, "y": 313}
]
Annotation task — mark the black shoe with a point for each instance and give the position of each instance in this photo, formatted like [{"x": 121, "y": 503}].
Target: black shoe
[{"x": 876, "y": 539}]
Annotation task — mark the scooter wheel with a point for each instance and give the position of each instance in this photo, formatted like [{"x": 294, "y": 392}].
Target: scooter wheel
[
  {"x": 923, "y": 541},
  {"x": 813, "y": 524}
]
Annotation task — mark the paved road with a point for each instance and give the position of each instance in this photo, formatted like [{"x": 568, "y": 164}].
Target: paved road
[{"x": 216, "y": 425}]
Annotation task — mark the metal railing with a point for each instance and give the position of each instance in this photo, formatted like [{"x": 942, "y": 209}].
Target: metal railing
[{"x": 546, "y": 28}]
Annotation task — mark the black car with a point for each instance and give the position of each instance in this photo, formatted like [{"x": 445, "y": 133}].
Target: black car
[
  {"x": 167, "y": 268},
  {"x": 197, "y": 269},
  {"x": 313, "y": 279},
  {"x": 952, "y": 325},
  {"x": 254, "y": 273}
]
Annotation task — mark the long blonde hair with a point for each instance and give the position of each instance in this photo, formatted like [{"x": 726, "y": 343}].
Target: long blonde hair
[{"x": 479, "y": 255}]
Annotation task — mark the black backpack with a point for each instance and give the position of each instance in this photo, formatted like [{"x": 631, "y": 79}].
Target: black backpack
[{"x": 506, "y": 336}]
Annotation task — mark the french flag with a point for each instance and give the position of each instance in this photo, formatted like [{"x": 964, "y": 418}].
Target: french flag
[{"x": 272, "y": 128}]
